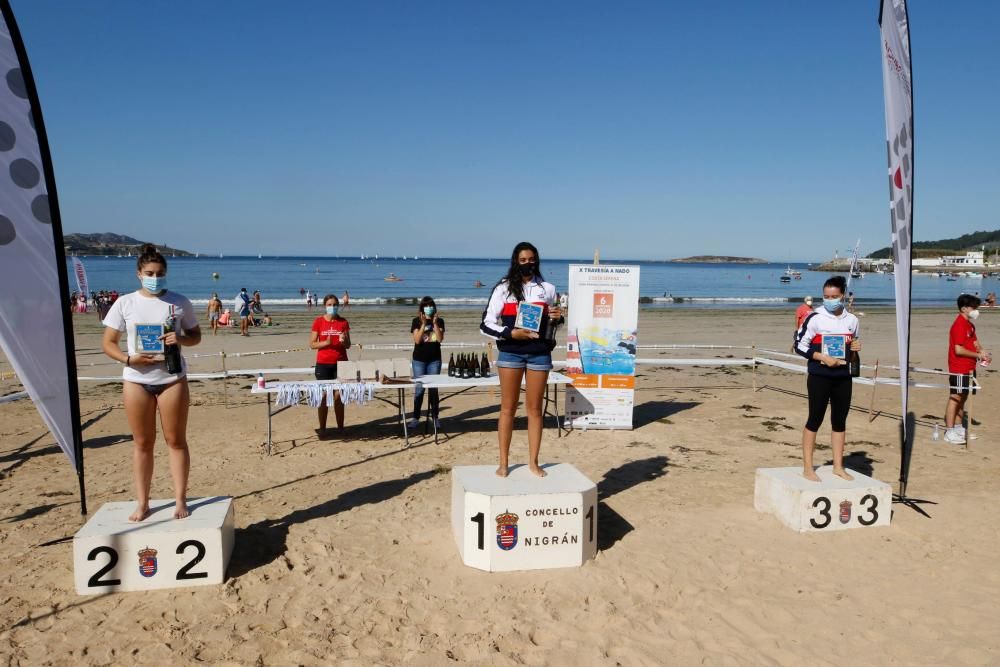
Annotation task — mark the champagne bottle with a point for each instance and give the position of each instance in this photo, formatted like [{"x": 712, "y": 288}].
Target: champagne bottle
[
  {"x": 466, "y": 367},
  {"x": 485, "y": 366},
  {"x": 172, "y": 353},
  {"x": 855, "y": 365},
  {"x": 477, "y": 372},
  {"x": 451, "y": 365}
]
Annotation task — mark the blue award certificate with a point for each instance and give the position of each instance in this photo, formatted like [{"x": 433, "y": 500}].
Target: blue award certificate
[
  {"x": 529, "y": 316},
  {"x": 835, "y": 345},
  {"x": 147, "y": 338}
]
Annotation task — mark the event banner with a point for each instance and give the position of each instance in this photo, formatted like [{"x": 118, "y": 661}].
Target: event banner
[
  {"x": 897, "y": 87},
  {"x": 602, "y": 324},
  {"x": 81, "y": 278},
  {"x": 36, "y": 332}
]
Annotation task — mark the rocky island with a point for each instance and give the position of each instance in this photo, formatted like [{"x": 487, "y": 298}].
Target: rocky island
[
  {"x": 112, "y": 244},
  {"x": 717, "y": 259}
]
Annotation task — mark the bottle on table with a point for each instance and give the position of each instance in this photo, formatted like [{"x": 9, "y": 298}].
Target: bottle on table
[
  {"x": 261, "y": 384},
  {"x": 451, "y": 365},
  {"x": 484, "y": 366},
  {"x": 477, "y": 371},
  {"x": 466, "y": 367}
]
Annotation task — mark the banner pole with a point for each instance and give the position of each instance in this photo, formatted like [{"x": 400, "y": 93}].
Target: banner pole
[
  {"x": 871, "y": 406},
  {"x": 225, "y": 381},
  {"x": 753, "y": 358}
]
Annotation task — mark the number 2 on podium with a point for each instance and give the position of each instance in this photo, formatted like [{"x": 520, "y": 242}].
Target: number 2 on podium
[{"x": 185, "y": 572}]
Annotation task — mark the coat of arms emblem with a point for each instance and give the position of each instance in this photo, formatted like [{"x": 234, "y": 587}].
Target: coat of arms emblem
[
  {"x": 147, "y": 562},
  {"x": 507, "y": 530},
  {"x": 845, "y": 511}
]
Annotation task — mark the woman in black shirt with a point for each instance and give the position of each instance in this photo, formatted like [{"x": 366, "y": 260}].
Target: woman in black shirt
[{"x": 428, "y": 334}]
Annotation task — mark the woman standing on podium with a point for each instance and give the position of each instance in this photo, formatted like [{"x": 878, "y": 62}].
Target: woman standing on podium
[
  {"x": 158, "y": 323},
  {"x": 828, "y": 338},
  {"x": 525, "y": 353}
]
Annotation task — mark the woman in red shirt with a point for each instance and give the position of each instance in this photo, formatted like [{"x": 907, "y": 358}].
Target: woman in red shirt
[{"x": 330, "y": 337}]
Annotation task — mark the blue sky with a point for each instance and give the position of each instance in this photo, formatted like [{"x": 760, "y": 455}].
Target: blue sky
[{"x": 648, "y": 129}]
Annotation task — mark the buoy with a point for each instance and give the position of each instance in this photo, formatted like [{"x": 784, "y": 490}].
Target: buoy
[{"x": 215, "y": 276}]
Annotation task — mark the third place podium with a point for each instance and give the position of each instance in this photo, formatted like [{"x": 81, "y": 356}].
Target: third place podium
[
  {"x": 829, "y": 504},
  {"x": 523, "y": 522}
]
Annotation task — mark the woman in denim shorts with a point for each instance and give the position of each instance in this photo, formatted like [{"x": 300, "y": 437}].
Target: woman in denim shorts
[{"x": 524, "y": 353}]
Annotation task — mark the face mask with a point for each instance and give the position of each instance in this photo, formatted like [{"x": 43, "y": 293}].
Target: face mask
[
  {"x": 974, "y": 314},
  {"x": 331, "y": 310},
  {"x": 154, "y": 284},
  {"x": 428, "y": 310},
  {"x": 832, "y": 305},
  {"x": 527, "y": 269}
]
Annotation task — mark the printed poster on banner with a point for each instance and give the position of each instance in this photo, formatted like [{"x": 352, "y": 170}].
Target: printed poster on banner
[{"x": 601, "y": 335}]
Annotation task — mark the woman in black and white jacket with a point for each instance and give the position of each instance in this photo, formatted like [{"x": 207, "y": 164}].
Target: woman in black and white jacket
[{"x": 524, "y": 354}]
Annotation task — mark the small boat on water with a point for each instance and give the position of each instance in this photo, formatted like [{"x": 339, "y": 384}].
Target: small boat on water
[
  {"x": 392, "y": 278},
  {"x": 785, "y": 279},
  {"x": 857, "y": 274},
  {"x": 792, "y": 273}
]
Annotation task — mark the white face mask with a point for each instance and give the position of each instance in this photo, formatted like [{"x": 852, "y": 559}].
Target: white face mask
[{"x": 974, "y": 314}]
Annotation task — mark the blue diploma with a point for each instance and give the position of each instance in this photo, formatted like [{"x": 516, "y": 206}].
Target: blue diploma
[
  {"x": 529, "y": 316},
  {"x": 147, "y": 338}
]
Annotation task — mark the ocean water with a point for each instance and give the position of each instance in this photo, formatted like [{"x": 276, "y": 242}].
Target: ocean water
[{"x": 451, "y": 281}]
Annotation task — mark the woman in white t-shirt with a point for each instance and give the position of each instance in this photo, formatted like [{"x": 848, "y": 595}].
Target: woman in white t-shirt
[{"x": 148, "y": 385}]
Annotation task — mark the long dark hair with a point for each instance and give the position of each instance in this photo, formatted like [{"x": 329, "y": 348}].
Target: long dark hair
[
  {"x": 515, "y": 285},
  {"x": 149, "y": 255}
]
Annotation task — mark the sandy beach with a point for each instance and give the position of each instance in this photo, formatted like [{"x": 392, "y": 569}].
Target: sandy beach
[{"x": 344, "y": 553}]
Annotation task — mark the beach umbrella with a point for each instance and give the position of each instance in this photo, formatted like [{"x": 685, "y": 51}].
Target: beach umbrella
[
  {"x": 36, "y": 330},
  {"x": 897, "y": 88}
]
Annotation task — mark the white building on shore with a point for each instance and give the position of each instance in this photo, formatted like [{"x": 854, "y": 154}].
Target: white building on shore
[{"x": 970, "y": 260}]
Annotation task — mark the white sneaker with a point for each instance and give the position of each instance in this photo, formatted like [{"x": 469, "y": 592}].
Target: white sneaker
[
  {"x": 954, "y": 437},
  {"x": 961, "y": 432}
]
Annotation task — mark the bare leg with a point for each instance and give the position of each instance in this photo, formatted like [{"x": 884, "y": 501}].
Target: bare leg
[
  {"x": 174, "y": 404},
  {"x": 953, "y": 411},
  {"x": 510, "y": 393},
  {"x": 338, "y": 410},
  {"x": 535, "y": 390},
  {"x": 808, "y": 445},
  {"x": 838, "y": 440},
  {"x": 322, "y": 412},
  {"x": 140, "y": 411}
]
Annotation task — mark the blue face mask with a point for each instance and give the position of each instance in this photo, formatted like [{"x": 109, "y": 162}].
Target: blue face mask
[
  {"x": 428, "y": 310},
  {"x": 154, "y": 284},
  {"x": 331, "y": 310},
  {"x": 833, "y": 305}
]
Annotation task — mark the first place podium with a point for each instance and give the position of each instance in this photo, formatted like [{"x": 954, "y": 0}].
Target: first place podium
[
  {"x": 112, "y": 554},
  {"x": 523, "y": 522}
]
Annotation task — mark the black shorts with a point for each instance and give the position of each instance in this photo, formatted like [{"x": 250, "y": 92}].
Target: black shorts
[
  {"x": 326, "y": 371},
  {"x": 961, "y": 384}
]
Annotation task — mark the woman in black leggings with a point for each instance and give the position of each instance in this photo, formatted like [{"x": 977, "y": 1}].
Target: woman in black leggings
[{"x": 827, "y": 338}]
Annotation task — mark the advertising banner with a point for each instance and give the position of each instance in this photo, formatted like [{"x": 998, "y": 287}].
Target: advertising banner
[
  {"x": 897, "y": 87},
  {"x": 602, "y": 325},
  {"x": 81, "y": 278}
]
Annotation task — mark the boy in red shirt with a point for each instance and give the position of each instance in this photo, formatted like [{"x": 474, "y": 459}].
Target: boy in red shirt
[{"x": 964, "y": 351}]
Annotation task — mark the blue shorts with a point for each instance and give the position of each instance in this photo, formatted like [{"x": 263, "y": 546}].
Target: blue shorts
[{"x": 531, "y": 361}]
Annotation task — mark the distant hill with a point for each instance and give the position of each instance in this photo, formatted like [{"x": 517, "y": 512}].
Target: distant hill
[
  {"x": 107, "y": 243},
  {"x": 718, "y": 259},
  {"x": 973, "y": 241}
]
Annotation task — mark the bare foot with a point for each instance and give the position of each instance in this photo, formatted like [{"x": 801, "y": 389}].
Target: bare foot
[
  {"x": 182, "y": 511},
  {"x": 810, "y": 475},
  {"x": 537, "y": 471},
  {"x": 140, "y": 513},
  {"x": 502, "y": 471},
  {"x": 843, "y": 474},
  {"x": 321, "y": 433}
]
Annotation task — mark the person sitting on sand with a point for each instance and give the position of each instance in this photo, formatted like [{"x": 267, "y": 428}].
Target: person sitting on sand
[
  {"x": 148, "y": 387},
  {"x": 331, "y": 338},
  {"x": 829, "y": 380},
  {"x": 524, "y": 354}
]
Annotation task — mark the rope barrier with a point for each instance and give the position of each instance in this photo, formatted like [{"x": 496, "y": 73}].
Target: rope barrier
[{"x": 10, "y": 398}]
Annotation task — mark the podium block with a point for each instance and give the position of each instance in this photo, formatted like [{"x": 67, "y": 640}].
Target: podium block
[
  {"x": 111, "y": 554},
  {"x": 523, "y": 522},
  {"x": 830, "y": 504}
]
